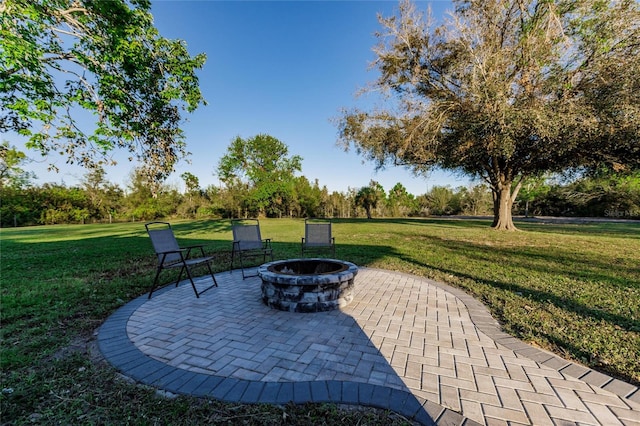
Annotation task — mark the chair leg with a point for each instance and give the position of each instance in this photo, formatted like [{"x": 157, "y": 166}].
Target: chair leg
[
  {"x": 241, "y": 265},
  {"x": 251, "y": 255},
  {"x": 155, "y": 282},
  {"x": 193, "y": 285},
  {"x": 240, "y": 256},
  {"x": 180, "y": 274},
  {"x": 215, "y": 283},
  {"x": 233, "y": 252}
]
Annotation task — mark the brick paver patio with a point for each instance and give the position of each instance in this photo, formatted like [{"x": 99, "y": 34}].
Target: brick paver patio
[{"x": 423, "y": 349}]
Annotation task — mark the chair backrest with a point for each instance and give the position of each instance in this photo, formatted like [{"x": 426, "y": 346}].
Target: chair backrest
[
  {"x": 246, "y": 233},
  {"x": 163, "y": 241},
  {"x": 317, "y": 233}
]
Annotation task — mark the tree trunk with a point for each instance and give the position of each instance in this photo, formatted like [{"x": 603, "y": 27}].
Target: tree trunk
[{"x": 502, "y": 204}]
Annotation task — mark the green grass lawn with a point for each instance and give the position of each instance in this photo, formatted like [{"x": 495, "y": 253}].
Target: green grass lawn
[{"x": 572, "y": 289}]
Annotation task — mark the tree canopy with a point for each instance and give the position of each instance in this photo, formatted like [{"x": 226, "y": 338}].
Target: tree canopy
[
  {"x": 60, "y": 59},
  {"x": 505, "y": 90},
  {"x": 263, "y": 165}
]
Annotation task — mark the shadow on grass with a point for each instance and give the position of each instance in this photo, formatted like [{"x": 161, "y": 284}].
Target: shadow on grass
[
  {"x": 548, "y": 260},
  {"x": 565, "y": 303},
  {"x": 629, "y": 229}
]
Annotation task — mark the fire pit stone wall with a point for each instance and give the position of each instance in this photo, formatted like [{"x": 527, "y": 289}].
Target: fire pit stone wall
[{"x": 307, "y": 285}]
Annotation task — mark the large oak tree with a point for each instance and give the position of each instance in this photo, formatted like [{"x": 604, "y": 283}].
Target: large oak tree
[
  {"x": 505, "y": 90},
  {"x": 83, "y": 77}
]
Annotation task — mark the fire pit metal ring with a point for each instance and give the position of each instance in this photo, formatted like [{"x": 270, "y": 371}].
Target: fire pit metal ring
[{"x": 307, "y": 285}]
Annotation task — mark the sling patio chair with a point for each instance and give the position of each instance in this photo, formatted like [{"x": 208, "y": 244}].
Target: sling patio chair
[
  {"x": 318, "y": 237},
  {"x": 248, "y": 243},
  {"x": 171, "y": 255}
]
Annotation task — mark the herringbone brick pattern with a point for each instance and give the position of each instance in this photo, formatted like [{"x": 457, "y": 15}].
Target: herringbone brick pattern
[{"x": 400, "y": 331}]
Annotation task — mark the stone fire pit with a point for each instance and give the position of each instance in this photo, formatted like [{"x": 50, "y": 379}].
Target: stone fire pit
[{"x": 307, "y": 285}]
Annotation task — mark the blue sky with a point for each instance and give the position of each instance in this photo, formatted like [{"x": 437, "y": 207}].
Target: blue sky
[{"x": 284, "y": 68}]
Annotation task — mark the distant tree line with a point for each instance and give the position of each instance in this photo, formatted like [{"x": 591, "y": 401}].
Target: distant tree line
[
  {"x": 601, "y": 193},
  {"x": 258, "y": 179},
  {"x": 97, "y": 200}
]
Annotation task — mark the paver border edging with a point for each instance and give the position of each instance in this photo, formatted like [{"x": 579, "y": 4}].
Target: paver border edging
[
  {"x": 123, "y": 355},
  {"x": 482, "y": 319}
]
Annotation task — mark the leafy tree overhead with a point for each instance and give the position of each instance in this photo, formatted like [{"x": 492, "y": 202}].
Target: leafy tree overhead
[
  {"x": 263, "y": 163},
  {"x": 60, "y": 57},
  {"x": 506, "y": 90}
]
